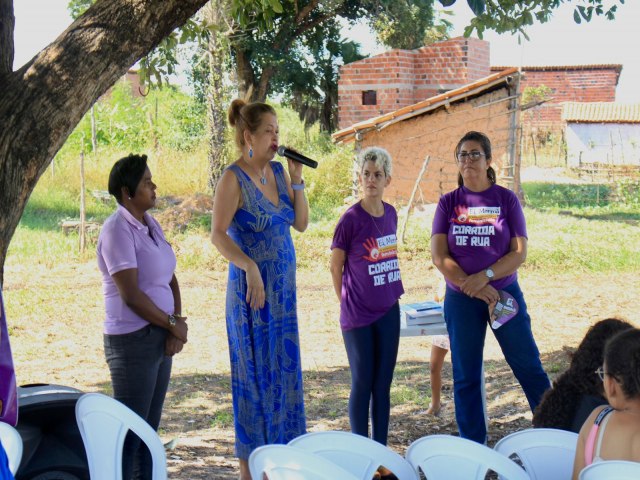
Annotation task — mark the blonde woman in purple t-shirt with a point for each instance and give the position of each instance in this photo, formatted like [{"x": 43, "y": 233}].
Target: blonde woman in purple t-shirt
[
  {"x": 366, "y": 278},
  {"x": 479, "y": 239},
  {"x": 143, "y": 326}
]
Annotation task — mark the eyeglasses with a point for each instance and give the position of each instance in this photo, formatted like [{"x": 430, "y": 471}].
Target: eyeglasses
[
  {"x": 601, "y": 373},
  {"x": 469, "y": 156}
]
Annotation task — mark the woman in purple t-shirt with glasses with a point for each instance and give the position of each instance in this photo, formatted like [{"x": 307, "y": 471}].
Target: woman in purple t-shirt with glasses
[
  {"x": 479, "y": 239},
  {"x": 143, "y": 326},
  {"x": 366, "y": 278}
]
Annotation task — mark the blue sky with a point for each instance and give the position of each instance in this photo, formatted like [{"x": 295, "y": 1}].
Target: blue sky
[{"x": 558, "y": 42}]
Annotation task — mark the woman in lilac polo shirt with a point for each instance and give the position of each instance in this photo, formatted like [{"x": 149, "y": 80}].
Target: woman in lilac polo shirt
[
  {"x": 479, "y": 239},
  {"x": 366, "y": 278},
  {"x": 143, "y": 327}
]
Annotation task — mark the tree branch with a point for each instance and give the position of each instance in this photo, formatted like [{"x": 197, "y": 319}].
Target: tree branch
[{"x": 7, "y": 26}]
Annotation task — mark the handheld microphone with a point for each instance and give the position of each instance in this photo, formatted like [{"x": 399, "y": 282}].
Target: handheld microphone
[{"x": 296, "y": 157}]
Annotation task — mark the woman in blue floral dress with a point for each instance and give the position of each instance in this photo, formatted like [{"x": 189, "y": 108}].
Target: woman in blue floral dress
[{"x": 256, "y": 202}]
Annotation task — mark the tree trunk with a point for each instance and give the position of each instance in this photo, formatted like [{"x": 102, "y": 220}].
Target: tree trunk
[
  {"x": 216, "y": 94},
  {"x": 244, "y": 71},
  {"x": 7, "y": 25},
  {"x": 45, "y": 99}
]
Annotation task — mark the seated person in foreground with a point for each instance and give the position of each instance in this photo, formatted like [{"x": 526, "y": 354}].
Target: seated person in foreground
[
  {"x": 576, "y": 392},
  {"x": 613, "y": 432}
]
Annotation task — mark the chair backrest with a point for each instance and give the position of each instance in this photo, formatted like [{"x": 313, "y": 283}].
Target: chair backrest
[
  {"x": 611, "y": 470},
  {"x": 455, "y": 458},
  {"x": 12, "y": 444},
  {"x": 355, "y": 453},
  {"x": 545, "y": 453},
  {"x": 283, "y": 462},
  {"x": 104, "y": 423}
]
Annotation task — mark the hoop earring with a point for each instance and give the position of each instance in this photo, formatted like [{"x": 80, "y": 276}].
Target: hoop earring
[{"x": 250, "y": 152}]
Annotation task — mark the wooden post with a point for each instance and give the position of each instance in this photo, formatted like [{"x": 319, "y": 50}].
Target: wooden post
[
  {"x": 533, "y": 144},
  {"x": 94, "y": 137},
  {"x": 413, "y": 194},
  {"x": 83, "y": 239}
]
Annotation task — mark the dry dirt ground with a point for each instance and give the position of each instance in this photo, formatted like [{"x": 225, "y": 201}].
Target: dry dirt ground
[
  {"x": 64, "y": 346},
  {"x": 65, "y": 349}
]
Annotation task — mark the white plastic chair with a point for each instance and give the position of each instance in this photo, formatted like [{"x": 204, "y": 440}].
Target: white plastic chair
[
  {"x": 12, "y": 443},
  {"x": 611, "y": 470},
  {"x": 283, "y": 462},
  {"x": 444, "y": 457},
  {"x": 104, "y": 423},
  {"x": 545, "y": 453},
  {"x": 355, "y": 453}
]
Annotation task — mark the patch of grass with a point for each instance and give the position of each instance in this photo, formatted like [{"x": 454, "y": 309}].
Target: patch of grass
[
  {"x": 561, "y": 242},
  {"x": 555, "y": 367},
  {"x": 222, "y": 419},
  {"x": 549, "y": 195},
  {"x": 405, "y": 394}
]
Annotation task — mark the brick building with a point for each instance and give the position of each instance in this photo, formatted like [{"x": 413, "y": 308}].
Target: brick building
[
  {"x": 431, "y": 128},
  {"x": 398, "y": 78},
  {"x": 570, "y": 83}
]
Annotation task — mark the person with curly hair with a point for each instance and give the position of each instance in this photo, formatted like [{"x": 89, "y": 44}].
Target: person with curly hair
[
  {"x": 577, "y": 391},
  {"x": 612, "y": 432}
]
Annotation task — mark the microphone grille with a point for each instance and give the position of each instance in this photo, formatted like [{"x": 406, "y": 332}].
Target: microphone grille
[{"x": 281, "y": 151}]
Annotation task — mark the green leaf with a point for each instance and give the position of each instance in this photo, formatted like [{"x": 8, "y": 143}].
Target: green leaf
[
  {"x": 276, "y": 5},
  {"x": 447, "y": 3},
  {"x": 477, "y": 6},
  {"x": 576, "y": 17}
]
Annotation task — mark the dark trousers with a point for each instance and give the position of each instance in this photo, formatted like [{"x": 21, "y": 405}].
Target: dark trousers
[
  {"x": 140, "y": 374},
  {"x": 372, "y": 353},
  {"x": 467, "y": 320}
]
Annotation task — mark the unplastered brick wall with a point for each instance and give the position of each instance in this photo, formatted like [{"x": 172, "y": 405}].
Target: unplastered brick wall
[
  {"x": 435, "y": 135},
  {"x": 404, "y": 77},
  {"x": 578, "y": 83}
]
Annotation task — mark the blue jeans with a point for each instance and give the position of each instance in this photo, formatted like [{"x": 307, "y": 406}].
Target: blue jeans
[
  {"x": 372, "y": 353},
  {"x": 467, "y": 320},
  {"x": 140, "y": 374}
]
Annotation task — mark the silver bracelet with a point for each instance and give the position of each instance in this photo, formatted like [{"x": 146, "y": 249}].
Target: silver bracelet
[{"x": 298, "y": 186}]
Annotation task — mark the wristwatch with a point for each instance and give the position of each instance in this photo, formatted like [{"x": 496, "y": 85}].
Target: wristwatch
[
  {"x": 489, "y": 273},
  {"x": 172, "y": 320}
]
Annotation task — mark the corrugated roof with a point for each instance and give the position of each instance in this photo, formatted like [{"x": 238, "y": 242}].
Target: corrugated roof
[
  {"x": 604, "y": 66},
  {"x": 600, "y": 112},
  {"x": 456, "y": 95}
]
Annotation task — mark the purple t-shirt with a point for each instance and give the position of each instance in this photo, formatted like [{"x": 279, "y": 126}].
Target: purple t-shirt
[
  {"x": 479, "y": 228},
  {"x": 371, "y": 282},
  {"x": 125, "y": 243}
]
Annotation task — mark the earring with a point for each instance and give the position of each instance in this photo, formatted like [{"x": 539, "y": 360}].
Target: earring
[
  {"x": 129, "y": 198},
  {"x": 250, "y": 152}
]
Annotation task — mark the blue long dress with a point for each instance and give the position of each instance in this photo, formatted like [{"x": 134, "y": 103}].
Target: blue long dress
[{"x": 266, "y": 376}]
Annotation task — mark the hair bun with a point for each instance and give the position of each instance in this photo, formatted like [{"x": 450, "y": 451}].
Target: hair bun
[{"x": 234, "y": 111}]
